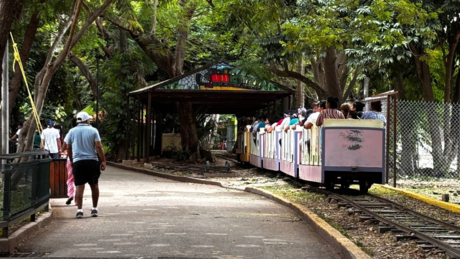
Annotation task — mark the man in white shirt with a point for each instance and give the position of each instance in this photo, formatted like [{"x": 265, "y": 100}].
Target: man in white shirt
[
  {"x": 314, "y": 116},
  {"x": 51, "y": 140},
  {"x": 311, "y": 120},
  {"x": 17, "y": 132}
]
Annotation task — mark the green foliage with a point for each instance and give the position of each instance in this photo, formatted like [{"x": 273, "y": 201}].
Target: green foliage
[{"x": 120, "y": 75}]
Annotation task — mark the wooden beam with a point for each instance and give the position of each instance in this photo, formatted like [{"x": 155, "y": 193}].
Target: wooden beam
[
  {"x": 149, "y": 124},
  {"x": 138, "y": 130}
]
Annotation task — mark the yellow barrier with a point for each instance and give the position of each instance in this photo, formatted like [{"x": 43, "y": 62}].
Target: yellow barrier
[{"x": 445, "y": 205}]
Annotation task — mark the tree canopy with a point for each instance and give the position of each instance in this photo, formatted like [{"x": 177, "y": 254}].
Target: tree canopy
[{"x": 321, "y": 47}]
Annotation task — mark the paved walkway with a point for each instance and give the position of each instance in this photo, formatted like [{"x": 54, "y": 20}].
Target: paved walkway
[{"x": 142, "y": 216}]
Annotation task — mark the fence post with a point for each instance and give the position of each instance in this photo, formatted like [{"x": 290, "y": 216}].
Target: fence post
[
  {"x": 6, "y": 200},
  {"x": 394, "y": 138},
  {"x": 387, "y": 157}
]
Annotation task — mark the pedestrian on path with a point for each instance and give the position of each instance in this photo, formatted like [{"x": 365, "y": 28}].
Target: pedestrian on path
[
  {"x": 86, "y": 154},
  {"x": 70, "y": 179},
  {"x": 51, "y": 140},
  {"x": 16, "y": 135}
]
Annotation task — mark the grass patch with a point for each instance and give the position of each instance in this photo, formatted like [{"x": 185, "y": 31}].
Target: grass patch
[{"x": 293, "y": 194}]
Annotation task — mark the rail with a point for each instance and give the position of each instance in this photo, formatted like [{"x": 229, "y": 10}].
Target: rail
[
  {"x": 24, "y": 188},
  {"x": 441, "y": 235}
]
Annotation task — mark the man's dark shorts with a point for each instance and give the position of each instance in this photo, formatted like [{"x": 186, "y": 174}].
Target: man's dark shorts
[{"x": 86, "y": 171}]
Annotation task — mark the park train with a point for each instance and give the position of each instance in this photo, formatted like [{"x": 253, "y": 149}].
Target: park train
[{"x": 341, "y": 152}]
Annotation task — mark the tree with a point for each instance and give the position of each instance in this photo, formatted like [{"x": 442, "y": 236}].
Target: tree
[
  {"x": 52, "y": 64},
  {"x": 166, "y": 47}
]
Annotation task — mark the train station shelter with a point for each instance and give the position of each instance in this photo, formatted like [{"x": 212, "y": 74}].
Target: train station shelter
[{"x": 217, "y": 88}]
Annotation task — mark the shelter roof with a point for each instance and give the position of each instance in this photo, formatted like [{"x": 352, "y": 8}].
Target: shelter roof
[{"x": 217, "y": 87}]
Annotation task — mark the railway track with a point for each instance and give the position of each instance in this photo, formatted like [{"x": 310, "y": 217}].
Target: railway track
[{"x": 408, "y": 224}]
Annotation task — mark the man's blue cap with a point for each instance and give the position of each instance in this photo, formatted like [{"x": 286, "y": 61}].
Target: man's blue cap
[{"x": 50, "y": 122}]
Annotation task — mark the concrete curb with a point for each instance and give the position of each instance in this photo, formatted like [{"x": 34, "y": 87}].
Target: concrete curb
[
  {"x": 8, "y": 245},
  {"x": 167, "y": 176},
  {"x": 445, "y": 205},
  {"x": 344, "y": 247}
]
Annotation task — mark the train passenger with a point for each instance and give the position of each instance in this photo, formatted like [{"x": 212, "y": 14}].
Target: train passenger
[
  {"x": 314, "y": 106},
  {"x": 259, "y": 125},
  {"x": 330, "y": 112},
  {"x": 273, "y": 123},
  {"x": 345, "y": 108},
  {"x": 286, "y": 120},
  {"x": 358, "y": 107},
  {"x": 353, "y": 115},
  {"x": 314, "y": 116},
  {"x": 292, "y": 120},
  {"x": 312, "y": 119},
  {"x": 302, "y": 112},
  {"x": 375, "y": 113}
]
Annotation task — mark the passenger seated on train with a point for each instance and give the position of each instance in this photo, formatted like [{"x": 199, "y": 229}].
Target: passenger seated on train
[
  {"x": 353, "y": 115},
  {"x": 259, "y": 125},
  {"x": 286, "y": 120},
  {"x": 345, "y": 108},
  {"x": 321, "y": 105},
  {"x": 358, "y": 107},
  {"x": 375, "y": 113},
  {"x": 302, "y": 116},
  {"x": 273, "y": 123},
  {"x": 294, "y": 120},
  {"x": 330, "y": 112},
  {"x": 302, "y": 112}
]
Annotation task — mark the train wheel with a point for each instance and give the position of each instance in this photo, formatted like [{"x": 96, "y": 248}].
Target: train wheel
[
  {"x": 345, "y": 185},
  {"x": 329, "y": 186},
  {"x": 364, "y": 186}
]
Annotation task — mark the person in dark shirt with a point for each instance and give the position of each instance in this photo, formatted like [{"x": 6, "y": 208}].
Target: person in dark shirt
[{"x": 37, "y": 139}]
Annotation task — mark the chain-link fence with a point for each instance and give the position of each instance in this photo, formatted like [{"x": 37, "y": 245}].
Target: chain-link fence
[
  {"x": 427, "y": 140},
  {"x": 427, "y": 137}
]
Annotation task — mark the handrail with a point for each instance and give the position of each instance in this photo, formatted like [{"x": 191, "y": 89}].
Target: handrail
[{"x": 24, "y": 154}]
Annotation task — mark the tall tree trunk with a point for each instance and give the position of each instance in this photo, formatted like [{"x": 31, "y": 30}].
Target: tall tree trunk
[
  {"x": 318, "y": 71},
  {"x": 182, "y": 36},
  {"x": 44, "y": 77},
  {"x": 330, "y": 69},
  {"x": 399, "y": 82},
  {"x": 214, "y": 119},
  {"x": 408, "y": 138},
  {"x": 434, "y": 123},
  {"x": 300, "y": 102},
  {"x": 188, "y": 133},
  {"x": 9, "y": 11},
  {"x": 29, "y": 38},
  {"x": 448, "y": 59}
]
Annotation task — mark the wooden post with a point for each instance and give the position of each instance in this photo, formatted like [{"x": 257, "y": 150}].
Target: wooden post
[
  {"x": 149, "y": 124},
  {"x": 285, "y": 104},
  {"x": 159, "y": 132},
  {"x": 139, "y": 112},
  {"x": 128, "y": 135},
  {"x": 143, "y": 130}
]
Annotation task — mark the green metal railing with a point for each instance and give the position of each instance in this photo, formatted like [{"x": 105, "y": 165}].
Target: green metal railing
[{"x": 24, "y": 189}]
